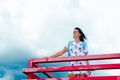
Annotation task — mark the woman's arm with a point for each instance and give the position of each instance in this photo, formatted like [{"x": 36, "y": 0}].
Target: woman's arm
[
  {"x": 59, "y": 53},
  {"x": 86, "y": 55},
  {"x": 89, "y": 71}
]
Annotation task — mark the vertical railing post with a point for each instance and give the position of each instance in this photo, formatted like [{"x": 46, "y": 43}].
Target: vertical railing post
[{"x": 30, "y": 65}]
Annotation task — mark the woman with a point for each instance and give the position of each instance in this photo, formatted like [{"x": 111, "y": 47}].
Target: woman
[{"x": 77, "y": 47}]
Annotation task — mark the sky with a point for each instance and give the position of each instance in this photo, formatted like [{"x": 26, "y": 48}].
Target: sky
[{"x": 35, "y": 29}]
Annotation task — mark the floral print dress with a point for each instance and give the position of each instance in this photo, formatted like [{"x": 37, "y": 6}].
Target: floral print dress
[{"x": 77, "y": 49}]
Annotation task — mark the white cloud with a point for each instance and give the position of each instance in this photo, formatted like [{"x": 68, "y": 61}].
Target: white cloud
[
  {"x": 7, "y": 77},
  {"x": 104, "y": 27}
]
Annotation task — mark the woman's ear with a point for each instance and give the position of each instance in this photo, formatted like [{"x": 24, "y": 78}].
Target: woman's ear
[{"x": 79, "y": 34}]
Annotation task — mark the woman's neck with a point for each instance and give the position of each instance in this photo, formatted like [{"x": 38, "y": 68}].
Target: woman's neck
[{"x": 77, "y": 40}]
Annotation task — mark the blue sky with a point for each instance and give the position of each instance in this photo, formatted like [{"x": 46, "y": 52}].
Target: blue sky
[{"x": 35, "y": 28}]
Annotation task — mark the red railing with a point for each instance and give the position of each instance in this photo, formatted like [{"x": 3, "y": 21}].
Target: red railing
[{"x": 34, "y": 67}]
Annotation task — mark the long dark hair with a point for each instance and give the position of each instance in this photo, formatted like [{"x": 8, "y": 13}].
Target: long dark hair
[{"x": 82, "y": 36}]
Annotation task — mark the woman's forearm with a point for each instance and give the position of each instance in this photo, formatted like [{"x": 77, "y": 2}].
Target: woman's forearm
[
  {"x": 87, "y": 62},
  {"x": 59, "y": 53},
  {"x": 56, "y": 55}
]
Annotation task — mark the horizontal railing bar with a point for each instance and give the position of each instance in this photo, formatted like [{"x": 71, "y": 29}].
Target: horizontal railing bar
[
  {"x": 77, "y": 58},
  {"x": 87, "y": 78},
  {"x": 72, "y": 68}
]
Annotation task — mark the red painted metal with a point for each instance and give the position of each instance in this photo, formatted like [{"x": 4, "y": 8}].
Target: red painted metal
[
  {"x": 72, "y": 68},
  {"x": 35, "y": 76},
  {"x": 46, "y": 73},
  {"x": 88, "y": 78},
  {"x": 29, "y": 75},
  {"x": 34, "y": 67},
  {"x": 77, "y": 58},
  {"x": 30, "y": 63}
]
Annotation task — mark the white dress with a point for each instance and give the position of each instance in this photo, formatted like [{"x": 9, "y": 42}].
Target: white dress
[{"x": 77, "y": 49}]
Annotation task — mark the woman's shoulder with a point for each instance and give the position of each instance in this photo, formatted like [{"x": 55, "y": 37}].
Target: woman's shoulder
[
  {"x": 84, "y": 43},
  {"x": 70, "y": 41}
]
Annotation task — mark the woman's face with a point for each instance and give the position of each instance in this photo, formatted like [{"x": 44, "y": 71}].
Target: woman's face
[{"x": 76, "y": 34}]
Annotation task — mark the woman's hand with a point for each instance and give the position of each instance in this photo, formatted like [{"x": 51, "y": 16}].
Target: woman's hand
[{"x": 89, "y": 72}]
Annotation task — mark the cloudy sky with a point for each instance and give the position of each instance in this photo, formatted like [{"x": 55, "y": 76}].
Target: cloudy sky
[{"x": 35, "y": 28}]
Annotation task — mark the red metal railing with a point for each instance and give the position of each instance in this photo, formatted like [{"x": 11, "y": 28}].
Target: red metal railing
[{"x": 34, "y": 67}]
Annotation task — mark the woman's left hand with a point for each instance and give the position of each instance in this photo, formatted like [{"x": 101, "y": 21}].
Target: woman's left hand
[{"x": 89, "y": 73}]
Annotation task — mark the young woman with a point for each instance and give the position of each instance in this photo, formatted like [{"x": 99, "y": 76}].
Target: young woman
[{"x": 77, "y": 47}]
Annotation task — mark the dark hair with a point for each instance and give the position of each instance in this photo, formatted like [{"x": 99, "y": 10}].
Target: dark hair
[{"x": 82, "y": 37}]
